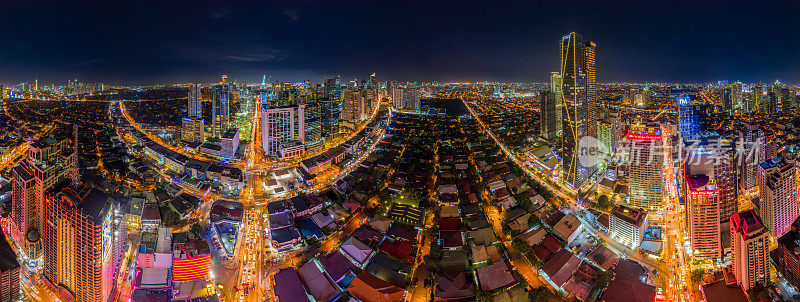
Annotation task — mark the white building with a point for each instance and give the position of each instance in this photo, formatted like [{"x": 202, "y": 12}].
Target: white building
[
  {"x": 229, "y": 143},
  {"x": 627, "y": 225},
  {"x": 281, "y": 125}
]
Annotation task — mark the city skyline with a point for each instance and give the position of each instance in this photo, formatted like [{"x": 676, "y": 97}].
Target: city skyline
[{"x": 140, "y": 44}]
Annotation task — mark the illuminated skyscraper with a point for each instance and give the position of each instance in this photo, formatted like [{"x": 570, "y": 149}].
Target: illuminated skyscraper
[
  {"x": 79, "y": 241},
  {"x": 646, "y": 167},
  {"x": 736, "y": 94},
  {"x": 331, "y": 106},
  {"x": 48, "y": 162},
  {"x": 750, "y": 249},
  {"x": 712, "y": 156},
  {"x": 578, "y": 87},
  {"x": 777, "y": 202},
  {"x": 220, "y": 109},
  {"x": 195, "y": 100},
  {"x": 279, "y": 126},
  {"x": 757, "y": 96},
  {"x": 555, "y": 87},
  {"x": 692, "y": 117},
  {"x": 9, "y": 272},
  {"x": 703, "y": 208},
  {"x": 751, "y": 144},
  {"x": 548, "y": 113}
]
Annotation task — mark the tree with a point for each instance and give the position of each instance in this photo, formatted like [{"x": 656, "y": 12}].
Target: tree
[
  {"x": 534, "y": 220},
  {"x": 521, "y": 245},
  {"x": 696, "y": 275},
  {"x": 604, "y": 202},
  {"x": 602, "y": 279},
  {"x": 539, "y": 294}
]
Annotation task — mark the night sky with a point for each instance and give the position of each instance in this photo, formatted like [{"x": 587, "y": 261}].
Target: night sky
[{"x": 142, "y": 42}]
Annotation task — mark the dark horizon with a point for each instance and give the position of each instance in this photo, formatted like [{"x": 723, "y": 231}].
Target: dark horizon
[{"x": 146, "y": 43}]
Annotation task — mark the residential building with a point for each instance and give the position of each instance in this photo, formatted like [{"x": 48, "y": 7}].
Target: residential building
[
  {"x": 703, "y": 208},
  {"x": 646, "y": 166},
  {"x": 9, "y": 272},
  {"x": 777, "y": 202},
  {"x": 750, "y": 249}
]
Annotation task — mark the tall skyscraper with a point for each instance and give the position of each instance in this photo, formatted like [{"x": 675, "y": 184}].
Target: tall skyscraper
[
  {"x": 9, "y": 272},
  {"x": 789, "y": 254},
  {"x": 757, "y": 95},
  {"x": 692, "y": 118},
  {"x": 750, "y": 249},
  {"x": 555, "y": 87},
  {"x": 195, "y": 100},
  {"x": 751, "y": 143},
  {"x": 711, "y": 156},
  {"x": 220, "y": 109},
  {"x": 548, "y": 109},
  {"x": 579, "y": 90},
  {"x": 703, "y": 209},
  {"x": 331, "y": 106},
  {"x": 646, "y": 164},
  {"x": 777, "y": 202},
  {"x": 79, "y": 241},
  {"x": 47, "y": 162},
  {"x": 736, "y": 94}
]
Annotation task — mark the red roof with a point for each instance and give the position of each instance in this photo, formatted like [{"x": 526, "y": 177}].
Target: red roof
[
  {"x": 399, "y": 249},
  {"x": 450, "y": 224}
]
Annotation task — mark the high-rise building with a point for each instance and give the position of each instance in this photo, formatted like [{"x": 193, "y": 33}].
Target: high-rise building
[
  {"x": 751, "y": 143},
  {"x": 9, "y": 272},
  {"x": 789, "y": 254},
  {"x": 47, "y": 162},
  {"x": 712, "y": 157},
  {"x": 646, "y": 165},
  {"x": 407, "y": 98},
  {"x": 703, "y": 208},
  {"x": 2, "y": 93},
  {"x": 750, "y": 249},
  {"x": 79, "y": 241},
  {"x": 229, "y": 143},
  {"x": 777, "y": 202},
  {"x": 195, "y": 100},
  {"x": 548, "y": 112},
  {"x": 313, "y": 126},
  {"x": 220, "y": 109},
  {"x": 627, "y": 225},
  {"x": 757, "y": 95},
  {"x": 578, "y": 88},
  {"x": 736, "y": 94},
  {"x": 692, "y": 117},
  {"x": 555, "y": 87},
  {"x": 282, "y": 125},
  {"x": 353, "y": 103}
]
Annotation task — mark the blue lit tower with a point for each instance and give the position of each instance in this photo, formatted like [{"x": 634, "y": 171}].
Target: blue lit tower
[{"x": 692, "y": 118}]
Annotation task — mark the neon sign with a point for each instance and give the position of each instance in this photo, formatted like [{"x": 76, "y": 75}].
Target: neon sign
[
  {"x": 705, "y": 193},
  {"x": 639, "y": 135}
]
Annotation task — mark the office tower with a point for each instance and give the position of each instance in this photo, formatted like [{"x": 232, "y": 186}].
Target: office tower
[
  {"x": 646, "y": 164},
  {"x": 736, "y": 93},
  {"x": 750, "y": 249},
  {"x": 220, "y": 109},
  {"x": 757, "y": 95},
  {"x": 692, "y": 118},
  {"x": 192, "y": 129},
  {"x": 548, "y": 117},
  {"x": 280, "y": 126},
  {"x": 627, "y": 225},
  {"x": 79, "y": 240},
  {"x": 555, "y": 87},
  {"x": 727, "y": 100},
  {"x": 353, "y": 108},
  {"x": 789, "y": 254},
  {"x": 9, "y": 272},
  {"x": 751, "y": 143},
  {"x": 313, "y": 126},
  {"x": 47, "y": 162},
  {"x": 777, "y": 202},
  {"x": 787, "y": 99},
  {"x": 331, "y": 107},
  {"x": 703, "y": 209},
  {"x": 714, "y": 157},
  {"x": 578, "y": 88}
]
